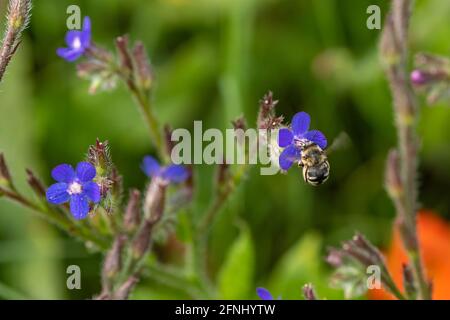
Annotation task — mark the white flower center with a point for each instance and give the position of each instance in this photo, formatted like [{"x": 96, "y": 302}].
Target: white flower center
[
  {"x": 76, "y": 43},
  {"x": 75, "y": 188}
]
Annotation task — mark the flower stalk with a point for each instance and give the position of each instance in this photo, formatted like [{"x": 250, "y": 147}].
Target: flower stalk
[{"x": 394, "y": 54}]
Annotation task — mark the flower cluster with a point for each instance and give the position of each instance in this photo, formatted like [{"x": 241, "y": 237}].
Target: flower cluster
[
  {"x": 294, "y": 139},
  {"x": 79, "y": 188}
]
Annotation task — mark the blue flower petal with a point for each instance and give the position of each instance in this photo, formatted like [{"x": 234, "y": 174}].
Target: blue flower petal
[
  {"x": 284, "y": 137},
  {"x": 63, "y": 173},
  {"x": 317, "y": 137},
  {"x": 71, "y": 37},
  {"x": 69, "y": 54},
  {"x": 79, "y": 206},
  {"x": 85, "y": 171},
  {"x": 57, "y": 193},
  {"x": 289, "y": 155},
  {"x": 300, "y": 123},
  {"x": 86, "y": 33},
  {"x": 175, "y": 173},
  {"x": 150, "y": 166},
  {"x": 92, "y": 191},
  {"x": 264, "y": 294}
]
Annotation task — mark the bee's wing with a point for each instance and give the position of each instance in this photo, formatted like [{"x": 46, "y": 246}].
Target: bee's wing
[{"x": 342, "y": 141}]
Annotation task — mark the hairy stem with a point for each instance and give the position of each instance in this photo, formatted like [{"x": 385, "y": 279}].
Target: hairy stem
[
  {"x": 394, "y": 52},
  {"x": 17, "y": 20}
]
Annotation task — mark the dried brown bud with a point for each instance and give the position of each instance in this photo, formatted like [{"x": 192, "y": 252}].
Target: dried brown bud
[
  {"x": 35, "y": 183},
  {"x": 143, "y": 66},
  {"x": 308, "y": 292},
  {"x": 124, "y": 291},
  {"x": 132, "y": 217}
]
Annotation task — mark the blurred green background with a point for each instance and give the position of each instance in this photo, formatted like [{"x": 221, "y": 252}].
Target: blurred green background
[{"x": 214, "y": 59}]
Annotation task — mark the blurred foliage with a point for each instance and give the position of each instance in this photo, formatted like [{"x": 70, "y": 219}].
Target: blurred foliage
[{"x": 214, "y": 59}]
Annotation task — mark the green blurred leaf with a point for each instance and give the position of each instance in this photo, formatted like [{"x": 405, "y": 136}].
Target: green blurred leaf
[
  {"x": 236, "y": 275},
  {"x": 300, "y": 265}
]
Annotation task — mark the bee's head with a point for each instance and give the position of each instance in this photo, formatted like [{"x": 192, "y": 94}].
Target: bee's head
[{"x": 318, "y": 174}]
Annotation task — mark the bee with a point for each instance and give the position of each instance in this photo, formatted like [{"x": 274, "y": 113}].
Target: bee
[
  {"x": 314, "y": 164},
  {"x": 314, "y": 159}
]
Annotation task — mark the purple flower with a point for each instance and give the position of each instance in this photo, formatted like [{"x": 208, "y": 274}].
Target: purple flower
[
  {"x": 173, "y": 173},
  {"x": 77, "y": 42},
  {"x": 75, "y": 186},
  {"x": 264, "y": 294},
  {"x": 294, "y": 140}
]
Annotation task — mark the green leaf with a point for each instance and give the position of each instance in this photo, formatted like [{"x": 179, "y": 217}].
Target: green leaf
[
  {"x": 301, "y": 264},
  {"x": 236, "y": 275}
]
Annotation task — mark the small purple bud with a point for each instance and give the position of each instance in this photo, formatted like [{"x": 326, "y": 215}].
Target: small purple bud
[{"x": 419, "y": 77}]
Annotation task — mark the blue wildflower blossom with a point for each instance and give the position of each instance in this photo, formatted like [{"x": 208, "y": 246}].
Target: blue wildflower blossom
[
  {"x": 264, "y": 294},
  {"x": 293, "y": 140},
  {"x": 77, "y": 42},
  {"x": 173, "y": 173},
  {"x": 75, "y": 186}
]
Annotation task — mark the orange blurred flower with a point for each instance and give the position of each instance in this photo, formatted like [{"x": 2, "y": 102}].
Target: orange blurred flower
[{"x": 434, "y": 240}]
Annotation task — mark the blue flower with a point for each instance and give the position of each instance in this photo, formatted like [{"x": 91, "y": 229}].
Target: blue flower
[
  {"x": 173, "y": 173},
  {"x": 75, "y": 186},
  {"x": 264, "y": 294},
  {"x": 293, "y": 140},
  {"x": 77, "y": 42}
]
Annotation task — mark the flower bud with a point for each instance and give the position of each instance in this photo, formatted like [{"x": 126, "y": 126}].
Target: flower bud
[
  {"x": 126, "y": 61},
  {"x": 155, "y": 200},
  {"x": 141, "y": 242},
  {"x": 266, "y": 110},
  {"x": 19, "y": 14},
  {"x": 5, "y": 176},
  {"x": 144, "y": 70},
  {"x": 132, "y": 217},
  {"x": 35, "y": 183},
  {"x": 113, "y": 260},
  {"x": 308, "y": 292}
]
